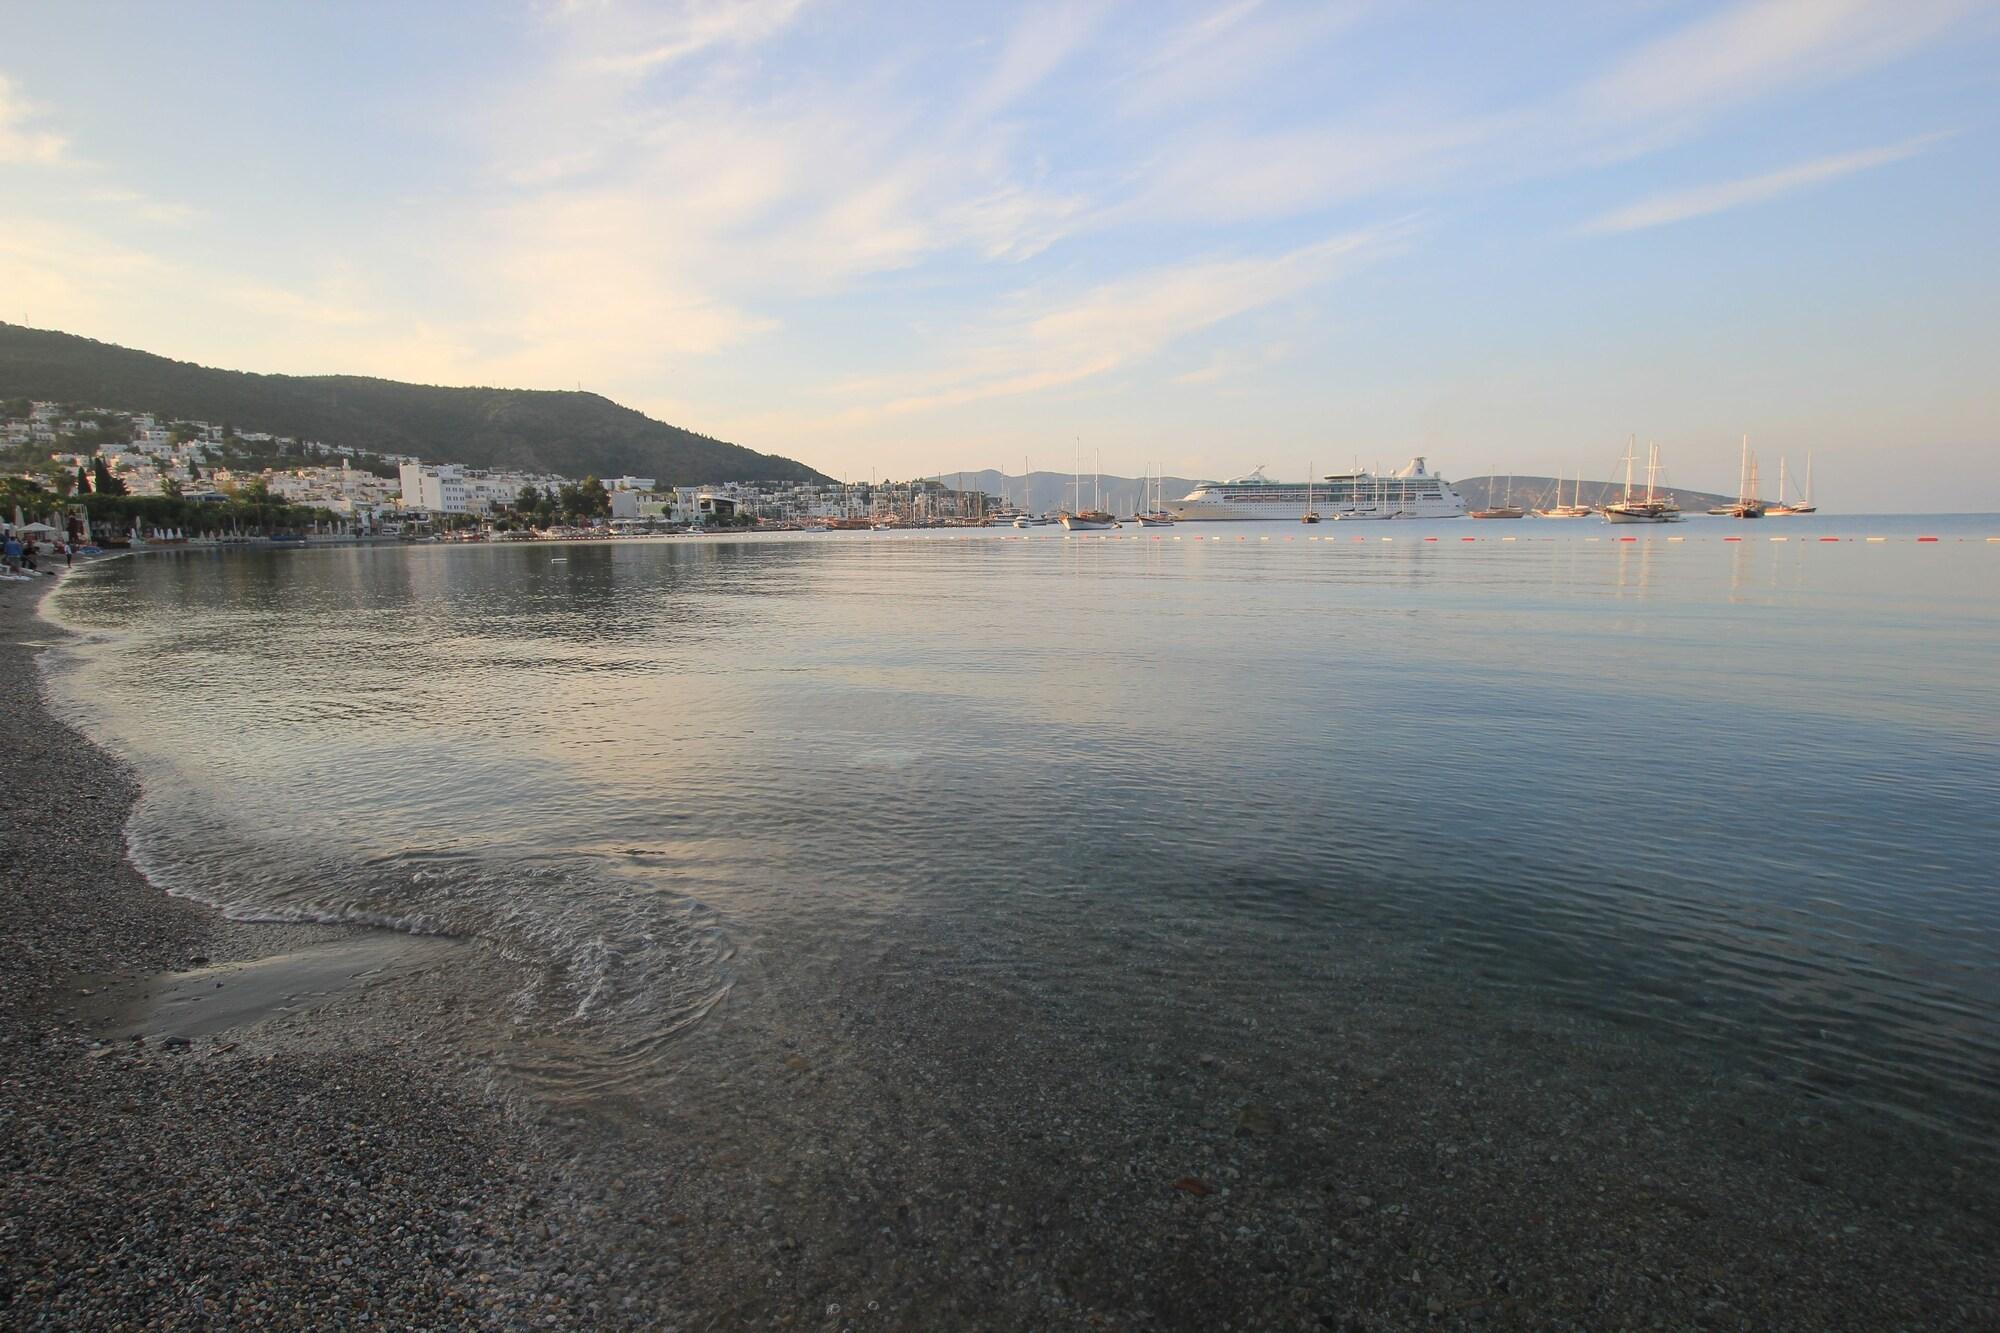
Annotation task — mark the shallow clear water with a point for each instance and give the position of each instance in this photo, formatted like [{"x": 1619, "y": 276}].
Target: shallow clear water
[{"x": 1738, "y": 794}]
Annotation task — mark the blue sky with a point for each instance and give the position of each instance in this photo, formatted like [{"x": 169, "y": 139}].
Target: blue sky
[{"x": 904, "y": 238}]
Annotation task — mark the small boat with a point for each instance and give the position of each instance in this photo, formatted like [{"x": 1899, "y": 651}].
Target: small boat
[{"x": 1312, "y": 513}]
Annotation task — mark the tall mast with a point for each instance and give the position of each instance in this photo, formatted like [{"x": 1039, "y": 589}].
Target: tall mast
[
  {"x": 1808, "y": 478},
  {"x": 1096, "y": 478},
  {"x": 1631, "y": 444},
  {"x": 1652, "y": 468},
  {"x": 1781, "y": 478}
]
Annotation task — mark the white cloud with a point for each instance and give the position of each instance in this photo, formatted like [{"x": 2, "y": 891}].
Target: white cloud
[
  {"x": 1703, "y": 200},
  {"x": 1755, "y": 50},
  {"x": 647, "y": 40},
  {"x": 1222, "y": 177},
  {"x": 133, "y": 203},
  {"x": 1037, "y": 47},
  {"x": 18, "y": 142},
  {"x": 1127, "y": 322},
  {"x": 1225, "y": 49}
]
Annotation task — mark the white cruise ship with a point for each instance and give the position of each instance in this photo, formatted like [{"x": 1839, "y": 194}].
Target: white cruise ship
[{"x": 1414, "y": 491}]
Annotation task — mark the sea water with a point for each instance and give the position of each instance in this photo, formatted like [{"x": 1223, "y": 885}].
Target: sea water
[{"x": 1727, "y": 784}]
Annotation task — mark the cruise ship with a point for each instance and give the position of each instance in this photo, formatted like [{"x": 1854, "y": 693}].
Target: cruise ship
[{"x": 1414, "y": 491}]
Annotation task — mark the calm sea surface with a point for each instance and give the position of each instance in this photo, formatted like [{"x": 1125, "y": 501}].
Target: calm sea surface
[{"x": 1740, "y": 795}]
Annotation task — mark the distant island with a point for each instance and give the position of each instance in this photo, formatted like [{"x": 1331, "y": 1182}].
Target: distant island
[{"x": 571, "y": 434}]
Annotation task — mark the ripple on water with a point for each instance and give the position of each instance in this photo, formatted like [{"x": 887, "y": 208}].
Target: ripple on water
[{"x": 1736, "y": 795}]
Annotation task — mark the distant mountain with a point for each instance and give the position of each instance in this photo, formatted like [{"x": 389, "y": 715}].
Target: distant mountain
[
  {"x": 1539, "y": 492},
  {"x": 1048, "y": 491},
  {"x": 575, "y": 434}
]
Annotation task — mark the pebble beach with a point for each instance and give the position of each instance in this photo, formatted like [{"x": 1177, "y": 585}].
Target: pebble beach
[{"x": 227, "y": 1181}]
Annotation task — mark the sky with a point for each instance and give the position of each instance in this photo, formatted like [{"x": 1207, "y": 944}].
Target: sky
[{"x": 896, "y": 239}]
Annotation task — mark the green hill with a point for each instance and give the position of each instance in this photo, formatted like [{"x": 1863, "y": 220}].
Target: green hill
[{"x": 575, "y": 434}]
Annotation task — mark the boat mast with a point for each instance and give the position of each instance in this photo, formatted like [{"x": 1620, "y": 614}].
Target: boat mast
[
  {"x": 1652, "y": 468},
  {"x": 1631, "y": 444},
  {"x": 1808, "y": 478}
]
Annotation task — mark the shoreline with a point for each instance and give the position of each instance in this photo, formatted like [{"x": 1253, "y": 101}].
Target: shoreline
[
  {"x": 251, "y": 1175},
  {"x": 902, "y": 1147}
]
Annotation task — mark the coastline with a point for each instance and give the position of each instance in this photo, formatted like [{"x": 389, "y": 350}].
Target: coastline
[
  {"x": 334, "y": 1173},
  {"x": 871, "y": 1147}
]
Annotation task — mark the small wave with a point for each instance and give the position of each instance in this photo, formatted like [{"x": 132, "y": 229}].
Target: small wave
[{"x": 609, "y": 975}]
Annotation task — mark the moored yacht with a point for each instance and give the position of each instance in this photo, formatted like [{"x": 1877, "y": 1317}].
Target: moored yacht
[
  {"x": 1747, "y": 504},
  {"x": 1649, "y": 510},
  {"x": 1785, "y": 508},
  {"x": 1574, "y": 509},
  {"x": 1154, "y": 515},
  {"x": 1505, "y": 509},
  {"x": 1093, "y": 519}
]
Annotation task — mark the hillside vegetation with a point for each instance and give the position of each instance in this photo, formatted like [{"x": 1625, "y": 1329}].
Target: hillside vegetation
[{"x": 575, "y": 434}]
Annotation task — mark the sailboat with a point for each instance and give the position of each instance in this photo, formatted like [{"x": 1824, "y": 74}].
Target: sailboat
[
  {"x": 1650, "y": 509},
  {"x": 1747, "y": 504},
  {"x": 1377, "y": 498},
  {"x": 1506, "y": 510},
  {"x": 1574, "y": 509},
  {"x": 1804, "y": 506},
  {"x": 1027, "y": 518},
  {"x": 1155, "y": 514},
  {"x": 1312, "y": 514},
  {"x": 1093, "y": 519}
]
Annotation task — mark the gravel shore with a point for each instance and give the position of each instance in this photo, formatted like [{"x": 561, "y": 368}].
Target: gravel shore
[
  {"x": 258, "y": 1181},
  {"x": 903, "y": 1144}
]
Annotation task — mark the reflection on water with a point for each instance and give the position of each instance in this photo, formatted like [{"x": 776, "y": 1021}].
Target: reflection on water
[{"x": 1736, "y": 793}]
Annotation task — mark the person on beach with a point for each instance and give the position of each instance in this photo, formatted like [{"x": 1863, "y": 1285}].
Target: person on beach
[{"x": 12, "y": 553}]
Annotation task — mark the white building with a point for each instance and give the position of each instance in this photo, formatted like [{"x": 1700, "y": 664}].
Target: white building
[{"x": 441, "y": 489}]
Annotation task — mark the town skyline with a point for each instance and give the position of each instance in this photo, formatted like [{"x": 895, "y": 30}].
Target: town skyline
[{"x": 1197, "y": 239}]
